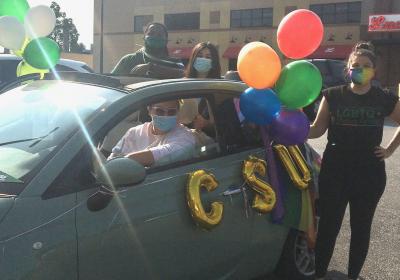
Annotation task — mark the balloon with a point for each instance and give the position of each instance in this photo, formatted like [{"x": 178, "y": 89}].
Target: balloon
[
  {"x": 12, "y": 33},
  {"x": 290, "y": 128},
  {"x": 42, "y": 53},
  {"x": 299, "y": 84},
  {"x": 294, "y": 163},
  {"x": 300, "y": 33},
  {"x": 39, "y": 21},
  {"x": 259, "y": 106},
  {"x": 196, "y": 181},
  {"x": 265, "y": 199},
  {"x": 15, "y": 8},
  {"x": 20, "y": 51},
  {"x": 258, "y": 65},
  {"x": 24, "y": 68}
]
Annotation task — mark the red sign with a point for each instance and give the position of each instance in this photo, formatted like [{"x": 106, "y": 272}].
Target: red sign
[{"x": 382, "y": 23}]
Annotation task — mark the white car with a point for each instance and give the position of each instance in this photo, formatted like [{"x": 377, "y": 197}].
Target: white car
[{"x": 9, "y": 63}]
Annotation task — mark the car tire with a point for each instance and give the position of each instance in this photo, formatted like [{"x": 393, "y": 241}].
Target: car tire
[{"x": 297, "y": 261}]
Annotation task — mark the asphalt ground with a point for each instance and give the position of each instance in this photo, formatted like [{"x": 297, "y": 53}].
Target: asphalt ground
[{"x": 383, "y": 260}]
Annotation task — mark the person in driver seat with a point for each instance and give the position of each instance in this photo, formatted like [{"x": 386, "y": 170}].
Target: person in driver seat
[{"x": 161, "y": 141}]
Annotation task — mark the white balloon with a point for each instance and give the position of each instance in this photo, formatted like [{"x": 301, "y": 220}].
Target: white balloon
[
  {"x": 39, "y": 21},
  {"x": 12, "y": 33}
]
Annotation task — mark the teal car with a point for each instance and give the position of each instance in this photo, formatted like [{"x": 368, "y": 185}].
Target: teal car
[{"x": 68, "y": 213}]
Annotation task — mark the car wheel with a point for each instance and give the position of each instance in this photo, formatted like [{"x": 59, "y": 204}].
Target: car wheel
[{"x": 297, "y": 260}]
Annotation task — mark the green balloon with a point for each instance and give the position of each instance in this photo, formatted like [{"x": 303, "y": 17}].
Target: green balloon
[
  {"x": 299, "y": 84},
  {"x": 16, "y": 8},
  {"x": 42, "y": 53}
]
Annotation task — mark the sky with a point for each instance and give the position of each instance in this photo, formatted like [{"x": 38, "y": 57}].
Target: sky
[{"x": 81, "y": 12}]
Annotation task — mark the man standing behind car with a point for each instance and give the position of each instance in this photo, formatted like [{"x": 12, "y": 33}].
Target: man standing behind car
[
  {"x": 154, "y": 52},
  {"x": 160, "y": 141}
]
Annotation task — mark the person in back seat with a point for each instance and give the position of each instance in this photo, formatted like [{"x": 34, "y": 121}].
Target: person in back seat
[{"x": 160, "y": 141}]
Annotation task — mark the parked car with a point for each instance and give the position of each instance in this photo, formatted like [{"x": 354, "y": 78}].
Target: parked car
[
  {"x": 333, "y": 74},
  {"x": 66, "y": 213},
  {"x": 9, "y": 63}
]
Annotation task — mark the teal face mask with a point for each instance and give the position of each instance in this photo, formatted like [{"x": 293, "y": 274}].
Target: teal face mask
[
  {"x": 164, "y": 123},
  {"x": 202, "y": 64},
  {"x": 154, "y": 42}
]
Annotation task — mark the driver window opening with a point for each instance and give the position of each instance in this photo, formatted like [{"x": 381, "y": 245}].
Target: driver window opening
[{"x": 152, "y": 128}]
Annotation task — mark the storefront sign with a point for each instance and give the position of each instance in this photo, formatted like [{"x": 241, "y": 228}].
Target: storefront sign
[{"x": 384, "y": 23}]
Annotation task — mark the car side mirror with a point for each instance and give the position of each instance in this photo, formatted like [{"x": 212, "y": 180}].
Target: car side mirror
[{"x": 119, "y": 172}]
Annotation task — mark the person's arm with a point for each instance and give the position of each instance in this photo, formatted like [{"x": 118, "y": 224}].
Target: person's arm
[
  {"x": 321, "y": 123},
  {"x": 145, "y": 158},
  {"x": 382, "y": 152},
  {"x": 125, "y": 65}
]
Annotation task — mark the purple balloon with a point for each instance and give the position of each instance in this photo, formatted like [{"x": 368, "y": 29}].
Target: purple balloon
[{"x": 291, "y": 127}]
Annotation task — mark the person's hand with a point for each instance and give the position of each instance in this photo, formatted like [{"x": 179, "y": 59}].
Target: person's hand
[
  {"x": 382, "y": 153},
  {"x": 141, "y": 70},
  {"x": 199, "y": 122}
]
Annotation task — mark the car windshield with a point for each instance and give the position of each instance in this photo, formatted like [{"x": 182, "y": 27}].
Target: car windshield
[{"x": 37, "y": 118}]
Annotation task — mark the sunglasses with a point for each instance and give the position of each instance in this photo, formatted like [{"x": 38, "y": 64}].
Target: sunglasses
[{"x": 159, "y": 111}]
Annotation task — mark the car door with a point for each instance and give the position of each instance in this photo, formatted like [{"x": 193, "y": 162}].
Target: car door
[{"x": 147, "y": 231}]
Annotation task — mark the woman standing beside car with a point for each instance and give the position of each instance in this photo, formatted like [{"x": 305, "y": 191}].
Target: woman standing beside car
[{"x": 353, "y": 167}]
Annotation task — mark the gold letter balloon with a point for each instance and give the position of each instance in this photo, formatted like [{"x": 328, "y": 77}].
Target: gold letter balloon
[
  {"x": 197, "y": 180},
  {"x": 291, "y": 158},
  {"x": 265, "y": 197}
]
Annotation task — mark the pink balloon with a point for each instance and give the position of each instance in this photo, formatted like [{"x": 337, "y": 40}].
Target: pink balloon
[{"x": 300, "y": 33}]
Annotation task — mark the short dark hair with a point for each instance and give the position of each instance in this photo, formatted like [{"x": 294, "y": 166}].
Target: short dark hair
[{"x": 163, "y": 27}]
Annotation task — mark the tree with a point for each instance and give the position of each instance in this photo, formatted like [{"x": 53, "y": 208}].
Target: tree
[{"x": 65, "y": 33}]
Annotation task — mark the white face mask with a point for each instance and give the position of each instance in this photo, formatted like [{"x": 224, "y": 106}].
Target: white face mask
[{"x": 202, "y": 65}]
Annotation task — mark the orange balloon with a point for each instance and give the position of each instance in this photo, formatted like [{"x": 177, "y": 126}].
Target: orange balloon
[{"x": 258, "y": 65}]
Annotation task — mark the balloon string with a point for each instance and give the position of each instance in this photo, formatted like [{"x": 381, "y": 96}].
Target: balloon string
[{"x": 279, "y": 211}]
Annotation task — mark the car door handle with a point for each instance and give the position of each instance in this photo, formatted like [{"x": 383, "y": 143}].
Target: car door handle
[{"x": 233, "y": 190}]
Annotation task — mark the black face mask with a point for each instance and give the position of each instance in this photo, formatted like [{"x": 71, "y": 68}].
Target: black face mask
[{"x": 154, "y": 43}]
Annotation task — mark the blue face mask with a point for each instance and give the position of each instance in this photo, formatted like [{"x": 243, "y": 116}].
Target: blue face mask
[
  {"x": 164, "y": 123},
  {"x": 202, "y": 64}
]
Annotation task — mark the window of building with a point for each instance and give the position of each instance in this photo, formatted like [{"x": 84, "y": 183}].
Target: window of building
[
  {"x": 289, "y": 9},
  {"x": 186, "y": 21},
  {"x": 251, "y": 17},
  {"x": 140, "y": 22},
  {"x": 215, "y": 17},
  {"x": 347, "y": 12}
]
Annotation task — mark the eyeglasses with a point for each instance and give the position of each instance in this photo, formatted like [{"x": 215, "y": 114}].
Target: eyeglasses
[{"x": 159, "y": 111}]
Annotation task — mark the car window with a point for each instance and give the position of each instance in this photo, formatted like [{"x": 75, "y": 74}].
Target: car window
[
  {"x": 234, "y": 132},
  {"x": 8, "y": 70},
  {"x": 338, "y": 69},
  {"x": 87, "y": 68},
  {"x": 36, "y": 119},
  {"x": 62, "y": 68}
]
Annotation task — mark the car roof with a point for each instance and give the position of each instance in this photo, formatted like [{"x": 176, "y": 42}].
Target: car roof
[{"x": 62, "y": 61}]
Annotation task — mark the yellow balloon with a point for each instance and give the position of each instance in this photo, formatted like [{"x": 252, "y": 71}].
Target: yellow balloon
[
  {"x": 265, "y": 198},
  {"x": 20, "y": 52},
  {"x": 292, "y": 157},
  {"x": 24, "y": 68},
  {"x": 201, "y": 179}
]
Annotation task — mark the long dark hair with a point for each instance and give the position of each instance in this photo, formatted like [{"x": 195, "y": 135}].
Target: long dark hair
[{"x": 215, "y": 71}]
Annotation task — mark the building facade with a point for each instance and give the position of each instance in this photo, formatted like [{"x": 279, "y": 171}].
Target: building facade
[{"x": 230, "y": 24}]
